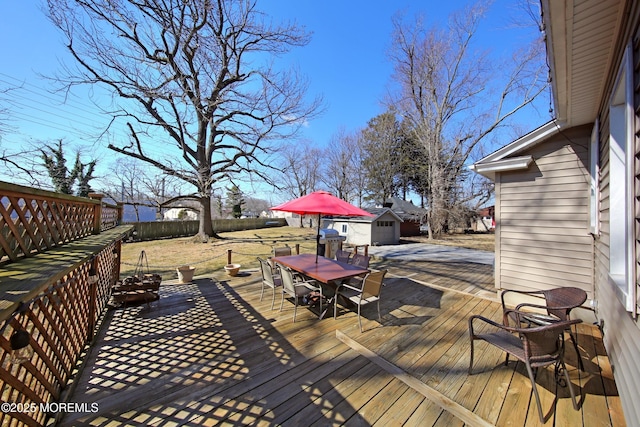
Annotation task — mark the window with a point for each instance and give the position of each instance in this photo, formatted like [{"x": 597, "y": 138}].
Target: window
[
  {"x": 344, "y": 228},
  {"x": 621, "y": 135},
  {"x": 594, "y": 171}
]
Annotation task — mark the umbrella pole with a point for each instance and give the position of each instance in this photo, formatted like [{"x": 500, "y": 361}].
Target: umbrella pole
[{"x": 318, "y": 238}]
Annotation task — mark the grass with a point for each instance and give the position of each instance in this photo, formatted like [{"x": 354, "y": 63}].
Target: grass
[{"x": 164, "y": 256}]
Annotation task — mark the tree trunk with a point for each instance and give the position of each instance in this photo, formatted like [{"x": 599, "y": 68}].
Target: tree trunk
[{"x": 205, "y": 229}]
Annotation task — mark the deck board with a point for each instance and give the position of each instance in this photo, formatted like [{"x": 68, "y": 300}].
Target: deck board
[{"x": 212, "y": 353}]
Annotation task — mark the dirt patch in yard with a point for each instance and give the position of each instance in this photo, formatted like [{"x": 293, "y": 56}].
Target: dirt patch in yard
[{"x": 481, "y": 241}]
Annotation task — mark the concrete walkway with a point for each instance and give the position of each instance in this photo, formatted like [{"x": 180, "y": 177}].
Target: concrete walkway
[{"x": 429, "y": 252}]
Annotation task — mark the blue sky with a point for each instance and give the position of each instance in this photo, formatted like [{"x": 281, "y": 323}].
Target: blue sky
[{"x": 346, "y": 62}]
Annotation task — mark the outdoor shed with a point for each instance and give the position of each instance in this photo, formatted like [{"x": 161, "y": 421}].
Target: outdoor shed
[{"x": 381, "y": 229}]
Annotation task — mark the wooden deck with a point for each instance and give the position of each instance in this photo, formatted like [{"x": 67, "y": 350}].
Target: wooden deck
[{"x": 212, "y": 353}]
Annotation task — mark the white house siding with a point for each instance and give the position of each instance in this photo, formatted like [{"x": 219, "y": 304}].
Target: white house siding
[
  {"x": 621, "y": 330},
  {"x": 542, "y": 212},
  {"x": 358, "y": 233}
]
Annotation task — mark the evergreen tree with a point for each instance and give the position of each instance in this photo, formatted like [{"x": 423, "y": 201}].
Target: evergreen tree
[
  {"x": 235, "y": 200},
  {"x": 63, "y": 179}
]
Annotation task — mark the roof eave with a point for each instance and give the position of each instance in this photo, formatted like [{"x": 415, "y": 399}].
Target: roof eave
[
  {"x": 524, "y": 142},
  {"x": 489, "y": 169}
]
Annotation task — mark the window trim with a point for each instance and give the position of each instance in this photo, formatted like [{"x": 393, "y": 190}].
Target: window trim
[
  {"x": 620, "y": 273},
  {"x": 594, "y": 172}
]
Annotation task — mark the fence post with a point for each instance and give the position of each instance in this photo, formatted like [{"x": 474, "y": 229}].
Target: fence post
[{"x": 97, "y": 212}]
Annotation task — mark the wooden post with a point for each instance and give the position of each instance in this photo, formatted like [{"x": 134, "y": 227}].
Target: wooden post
[
  {"x": 117, "y": 254},
  {"x": 93, "y": 298},
  {"x": 120, "y": 207},
  {"x": 228, "y": 256},
  {"x": 297, "y": 248},
  {"x": 97, "y": 212}
]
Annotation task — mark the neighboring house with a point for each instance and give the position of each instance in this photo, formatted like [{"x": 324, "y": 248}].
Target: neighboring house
[
  {"x": 568, "y": 194},
  {"x": 486, "y": 220},
  {"x": 182, "y": 214},
  {"x": 412, "y": 216},
  {"x": 381, "y": 229}
]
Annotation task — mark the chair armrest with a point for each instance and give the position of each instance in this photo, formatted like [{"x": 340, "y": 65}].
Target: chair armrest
[
  {"x": 353, "y": 288},
  {"x": 490, "y": 322},
  {"x": 540, "y": 293}
]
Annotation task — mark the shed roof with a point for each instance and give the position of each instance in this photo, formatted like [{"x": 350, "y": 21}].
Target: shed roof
[{"x": 377, "y": 213}]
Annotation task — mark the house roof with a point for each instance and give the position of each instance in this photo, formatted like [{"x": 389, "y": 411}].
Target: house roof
[
  {"x": 580, "y": 38},
  {"x": 405, "y": 209},
  {"x": 377, "y": 213}
]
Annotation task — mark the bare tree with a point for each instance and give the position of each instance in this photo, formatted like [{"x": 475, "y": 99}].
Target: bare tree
[
  {"x": 340, "y": 165},
  {"x": 450, "y": 99},
  {"x": 194, "y": 81},
  {"x": 300, "y": 167},
  {"x": 129, "y": 181}
]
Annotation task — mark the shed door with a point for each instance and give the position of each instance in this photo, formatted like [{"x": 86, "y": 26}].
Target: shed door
[{"x": 386, "y": 232}]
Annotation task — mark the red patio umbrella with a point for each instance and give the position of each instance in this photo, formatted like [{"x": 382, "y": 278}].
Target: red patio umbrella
[{"x": 320, "y": 203}]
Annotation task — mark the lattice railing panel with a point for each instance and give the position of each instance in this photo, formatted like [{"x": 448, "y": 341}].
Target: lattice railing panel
[
  {"x": 110, "y": 217},
  {"x": 60, "y": 322},
  {"x": 33, "y": 223}
]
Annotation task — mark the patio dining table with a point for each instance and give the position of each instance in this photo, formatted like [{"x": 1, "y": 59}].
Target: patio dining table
[{"x": 328, "y": 271}]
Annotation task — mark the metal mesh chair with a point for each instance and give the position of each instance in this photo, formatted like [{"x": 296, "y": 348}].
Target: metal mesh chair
[
  {"x": 369, "y": 292},
  {"x": 293, "y": 286},
  {"x": 343, "y": 256},
  {"x": 283, "y": 251},
  {"x": 269, "y": 279}
]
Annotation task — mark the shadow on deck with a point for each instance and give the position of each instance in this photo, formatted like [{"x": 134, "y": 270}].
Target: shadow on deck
[{"x": 212, "y": 353}]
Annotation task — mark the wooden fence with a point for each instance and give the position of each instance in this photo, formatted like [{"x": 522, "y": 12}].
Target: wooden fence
[
  {"x": 163, "y": 229},
  {"x": 59, "y": 258}
]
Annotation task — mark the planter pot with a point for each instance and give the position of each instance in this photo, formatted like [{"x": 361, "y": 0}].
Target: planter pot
[
  {"x": 232, "y": 269},
  {"x": 185, "y": 273}
]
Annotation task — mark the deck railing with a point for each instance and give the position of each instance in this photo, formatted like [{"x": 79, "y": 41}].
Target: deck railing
[
  {"x": 33, "y": 221},
  {"x": 59, "y": 258},
  {"x": 59, "y": 323}
]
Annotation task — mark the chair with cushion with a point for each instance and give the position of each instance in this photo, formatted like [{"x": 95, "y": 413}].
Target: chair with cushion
[
  {"x": 269, "y": 279},
  {"x": 368, "y": 292},
  {"x": 558, "y": 303},
  {"x": 295, "y": 287},
  {"x": 536, "y": 347}
]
